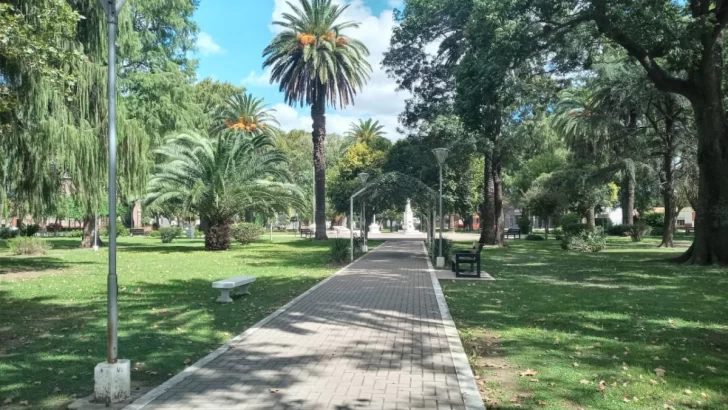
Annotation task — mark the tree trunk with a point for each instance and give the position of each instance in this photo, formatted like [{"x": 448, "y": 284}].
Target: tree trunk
[
  {"x": 546, "y": 226},
  {"x": 217, "y": 236},
  {"x": 711, "y": 226},
  {"x": 453, "y": 223},
  {"x": 668, "y": 187},
  {"x": 487, "y": 220},
  {"x": 498, "y": 202},
  {"x": 628, "y": 203},
  {"x": 318, "y": 114},
  {"x": 591, "y": 218},
  {"x": 87, "y": 240}
]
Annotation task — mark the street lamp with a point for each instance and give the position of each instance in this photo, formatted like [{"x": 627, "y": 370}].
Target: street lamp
[
  {"x": 441, "y": 156},
  {"x": 112, "y": 379},
  {"x": 363, "y": 177}
]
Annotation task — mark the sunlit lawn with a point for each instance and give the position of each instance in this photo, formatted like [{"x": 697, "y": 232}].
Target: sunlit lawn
[
  {"x": 53, "y": 308},
  {"x": 579, "y": 319}
]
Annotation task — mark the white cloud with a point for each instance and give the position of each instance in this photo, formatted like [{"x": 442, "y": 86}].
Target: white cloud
[
  {"x": 207, "y": 45},
  {"x": 257, "y": 80},
  {"x": 379, "y": 99}
]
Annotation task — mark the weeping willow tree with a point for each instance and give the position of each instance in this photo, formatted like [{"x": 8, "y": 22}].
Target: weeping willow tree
[{"x": 57, "y": 142}]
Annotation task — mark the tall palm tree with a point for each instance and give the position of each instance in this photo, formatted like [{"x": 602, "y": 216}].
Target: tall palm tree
[
  {"x": 366, "y": 131},
  {"x": 236, "y": 171},
  {"x": 316, "y": 65}
]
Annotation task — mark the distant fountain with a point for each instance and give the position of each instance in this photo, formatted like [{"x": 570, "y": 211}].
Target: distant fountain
[{"x": 409, "y": 220}]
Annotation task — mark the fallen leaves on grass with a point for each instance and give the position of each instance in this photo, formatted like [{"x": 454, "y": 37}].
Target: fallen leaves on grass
[
  {"x": 660, "y": 372},
  {"x": 602, "y": 386}
]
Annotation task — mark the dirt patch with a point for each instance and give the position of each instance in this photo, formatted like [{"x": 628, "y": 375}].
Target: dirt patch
[{"x": 31, "y": 274}]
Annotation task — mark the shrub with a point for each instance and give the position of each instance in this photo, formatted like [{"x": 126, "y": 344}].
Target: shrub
[
  {"x": 605, "y": 223},
  {"x": 54, "y": 227},
  {"x": 446, "y": 249},
  {"x": 76, "y": 233},
  {"x": 639, "y": 230},
  {"x": 619, "y": 230},
  {"x": 590, "y": 240},
  {"x": 7, "y": 233},
  {"x": 534, "y": 237},
  {"x": 168, "y": 234},
  {"x": 28, "y": 245},
  {"x": 573, "y": 229},
  {"x": 657, "y": 231},
  {"x": 199, "y": 234},
  {"x": 338, "y": 250},
  {"x": 653, "y": 219},
  {"x": 246, "y": 233},
  {"x": 525, "y": 225},
  {"x": 155, "y": 234},
  {"x": 121, "y": 230},
  {"x": 29, "y": 230},
  {"x": 570, "y": 219}
]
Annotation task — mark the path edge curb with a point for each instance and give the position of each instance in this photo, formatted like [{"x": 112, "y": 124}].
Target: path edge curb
[
  {"x": 153, "y": 394},
  {"x": 466, "y": 379}
]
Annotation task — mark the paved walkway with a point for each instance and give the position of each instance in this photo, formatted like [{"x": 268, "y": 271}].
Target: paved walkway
[{"x": 370, "y": 337}]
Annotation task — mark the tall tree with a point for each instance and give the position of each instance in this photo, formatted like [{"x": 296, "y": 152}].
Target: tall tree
[
  {"x": 317, "y": 65},
  {"x": 366, "y": 131}
]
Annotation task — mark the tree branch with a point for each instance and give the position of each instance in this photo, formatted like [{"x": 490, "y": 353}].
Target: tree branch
[{"x": 655, "y": 72}]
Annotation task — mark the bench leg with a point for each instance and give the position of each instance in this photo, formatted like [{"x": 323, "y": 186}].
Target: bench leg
[
  {"x": 224, "y": 296},
  {"x": 244, "y": 290}
]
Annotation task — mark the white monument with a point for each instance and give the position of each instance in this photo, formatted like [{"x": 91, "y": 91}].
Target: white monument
[
  {"x": 374, "y": 227},
  {"x": 409, "y": 221}
]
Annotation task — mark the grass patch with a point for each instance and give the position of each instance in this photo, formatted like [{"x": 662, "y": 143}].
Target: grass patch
[
  {"x": 53, "y": 308},
  {"x": 578, "y": 319}
]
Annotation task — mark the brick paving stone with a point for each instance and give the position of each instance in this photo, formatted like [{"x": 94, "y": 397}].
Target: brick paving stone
[{"x": 370, "y": 338}]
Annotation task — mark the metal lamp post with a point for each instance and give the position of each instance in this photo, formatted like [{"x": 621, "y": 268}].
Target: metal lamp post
[
  {"x": 112, "y": 379},
  {"x": 363, "y": 177},
  {"x": 441, "y": 156}
]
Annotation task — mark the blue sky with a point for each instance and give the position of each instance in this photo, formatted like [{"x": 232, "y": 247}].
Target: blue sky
[{"x": 233, "y": 34}]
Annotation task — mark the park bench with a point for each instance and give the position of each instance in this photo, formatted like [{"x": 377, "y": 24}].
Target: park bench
[
  {"x": 306, "y": 232},
  {"x": 689, "y": 229},
  {"x": 471, "y": 257},
  {"x": 227, "y": 286},
  {"x": 137, "y": 232},
  {"x": 513, "y": 232}
]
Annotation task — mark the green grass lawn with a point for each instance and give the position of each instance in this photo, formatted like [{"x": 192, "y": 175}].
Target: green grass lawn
[
  {"x": 53, "y": 308},
  {"x": 578, "y": 319}
]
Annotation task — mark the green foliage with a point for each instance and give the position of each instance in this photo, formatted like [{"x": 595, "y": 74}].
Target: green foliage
[
  {"x": 619, "y": 230},
  {"x": 168, "y": 234},
  {"x": 525, "y": 225},
  {"x": 7, "y": 233},
  {"x": 535, "y": 237},
  {"x": 338, "y": 250},
  {"x": 246, "y": 233},
  {"x": 587, "y": 240},
  {"x": 121, "y": 230},
  {"x": 199, "y": 234},
  {"x": 570, "y": 219},
  {"x": 29, "y": 230},
  {"x": 366, "y": 131},
  {"x": 76, "y": 233},
  {"x": 639, "y": 231},
  {"x": 155, "y": 234},
  {"x": 653, "y": 219},
  {"x": 28, "y": 246},
  {"x": 447, "y": 248},
  {"x": 574, "y": 228}
]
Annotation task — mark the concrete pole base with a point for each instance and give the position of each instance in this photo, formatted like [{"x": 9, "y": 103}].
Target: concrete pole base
[
  {"x": 364, "y": 249},
  {"x": 440, "y": 263},
  {"x": 112, "y": 382}
]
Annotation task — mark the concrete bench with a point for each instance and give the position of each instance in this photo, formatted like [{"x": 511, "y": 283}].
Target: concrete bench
[{"x": 226, "y": 286}]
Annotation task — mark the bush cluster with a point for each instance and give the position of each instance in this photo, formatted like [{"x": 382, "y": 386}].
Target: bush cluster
[
  {"x": 338, "y": 250},
  {"x": 575, "y": 228},
  {"x": 28, "y": 245},
  {"x": 619, "y": 230},
  {"x": 639, "y": 230},
  {"x": 589, "y": 240},
  {"x": 76, "y": 233},
  {"x": 535, "y": 237},
  {"x": 569, "y": 219},
  {"x": 155, "y": 234},
  {"x": 246, "y": 233},
  {"x": 7, "y": 233},
  {"x": 168, "y": 234},
  {"x": 29, "y": 230},
  {"x": 653, "y": 219},
  {"x": 121, "y": 230},
  {"x": 525, "y": 225}
]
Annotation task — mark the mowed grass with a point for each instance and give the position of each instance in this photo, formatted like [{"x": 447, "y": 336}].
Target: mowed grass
[
  {"x": 53, "y": 309},
  {"x": 622, "y": 316}
]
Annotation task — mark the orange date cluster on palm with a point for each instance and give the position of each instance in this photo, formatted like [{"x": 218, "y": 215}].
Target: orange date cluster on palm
[
  {"x": 306, "y": 39},
  {"x": 242, "y": 125}
]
